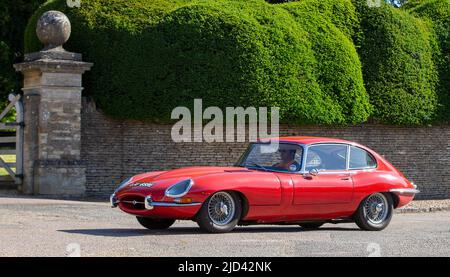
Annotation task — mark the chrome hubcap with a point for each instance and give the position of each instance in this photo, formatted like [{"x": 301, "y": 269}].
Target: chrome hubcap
[
  {"x": 376, "y": 208},
  {"x": 221, "y": 208},
  {"x": 379, "y": 208}
]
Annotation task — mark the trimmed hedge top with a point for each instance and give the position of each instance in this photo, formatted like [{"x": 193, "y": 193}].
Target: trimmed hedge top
[
  {"x": 338, "y": 68},
  {"x": 399, "y": 72},
  {"x": 151, "y": 56},
  {"x": 437, "y": 12}
]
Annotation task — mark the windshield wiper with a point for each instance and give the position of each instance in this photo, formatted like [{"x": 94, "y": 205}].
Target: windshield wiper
[{"x": 255, "y": 164}]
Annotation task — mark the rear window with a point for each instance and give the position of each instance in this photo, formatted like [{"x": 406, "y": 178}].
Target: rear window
[{"x": 360, "y": 158}]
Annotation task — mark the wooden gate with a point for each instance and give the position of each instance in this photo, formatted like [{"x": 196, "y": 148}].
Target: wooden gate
[{"x": 11, "y": 146}]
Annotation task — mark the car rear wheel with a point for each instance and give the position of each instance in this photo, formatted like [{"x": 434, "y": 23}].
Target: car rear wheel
[
  {"x": 220, "y": 213},
  {"x": 311, "y": 225},
  {"x": 155, "y": 223},
  {"x": 375, "y": 212}
]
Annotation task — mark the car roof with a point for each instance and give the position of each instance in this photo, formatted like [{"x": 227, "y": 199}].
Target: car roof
[{"x": 310, "y": 140}]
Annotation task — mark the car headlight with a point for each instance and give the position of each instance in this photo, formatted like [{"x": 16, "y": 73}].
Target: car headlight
[
  {"x": 122, "y": 184},
  {"x": 179, "y": 189}
]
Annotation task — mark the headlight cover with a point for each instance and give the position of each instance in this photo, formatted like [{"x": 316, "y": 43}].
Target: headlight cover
[
  {"x": 179, "y": 189},
  {"x": 122, "y": 184}
]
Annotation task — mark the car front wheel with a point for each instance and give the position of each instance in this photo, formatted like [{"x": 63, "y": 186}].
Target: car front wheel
[
  {"x": 155, "y": 223},
  {"x": 375, "y": 212},
  {"x": 220, "y": 213}
]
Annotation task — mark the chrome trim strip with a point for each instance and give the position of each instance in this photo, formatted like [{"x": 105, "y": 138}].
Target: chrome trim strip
[
  {"x": 349, "y": 146},
  {"x": 149, "y": 204},
  {"x": 405, "y": 191},
  {"x": 367, "y": 168},
  {"x": 329, "y": 172},
  {"x": 170, "y": 204},
  {"x": 347, "y": 162},
  {"x": 305, "y": 148}
]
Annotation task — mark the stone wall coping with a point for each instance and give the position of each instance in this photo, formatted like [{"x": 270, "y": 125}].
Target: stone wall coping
[
  {"x": 53, "y": 55},
  {"x": 50, "y": 65}
]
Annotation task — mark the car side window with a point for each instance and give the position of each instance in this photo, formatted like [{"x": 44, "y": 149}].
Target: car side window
[
  {"x": 327, "y": 157},
  {"x": 360, "y": 158}
]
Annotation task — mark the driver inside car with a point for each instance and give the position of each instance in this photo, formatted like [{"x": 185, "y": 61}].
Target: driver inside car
[{"x": 287, "y": 157}]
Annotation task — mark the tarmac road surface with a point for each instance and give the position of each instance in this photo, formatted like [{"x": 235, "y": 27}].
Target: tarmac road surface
[{"x": 41, "y": 227}]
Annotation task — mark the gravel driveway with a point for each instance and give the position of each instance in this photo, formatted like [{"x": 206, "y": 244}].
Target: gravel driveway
[{"x": 40, "y": 227}]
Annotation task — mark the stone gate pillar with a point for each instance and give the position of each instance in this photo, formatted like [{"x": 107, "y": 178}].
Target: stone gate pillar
[{"x": 52, "y": 112}]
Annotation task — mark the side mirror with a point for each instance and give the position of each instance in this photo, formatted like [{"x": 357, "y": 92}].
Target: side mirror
[{"x": 313, "y": 172}]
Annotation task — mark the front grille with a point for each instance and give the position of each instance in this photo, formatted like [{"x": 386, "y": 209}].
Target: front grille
[{"x": 133, "y": 202}]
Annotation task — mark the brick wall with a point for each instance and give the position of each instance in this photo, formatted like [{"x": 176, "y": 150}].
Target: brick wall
[{"x": 116, "y": 149}]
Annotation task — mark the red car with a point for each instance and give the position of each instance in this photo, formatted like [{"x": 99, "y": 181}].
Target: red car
[{"x": 307, "y": 181}]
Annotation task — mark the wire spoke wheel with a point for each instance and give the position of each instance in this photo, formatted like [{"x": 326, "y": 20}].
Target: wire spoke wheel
[
  {"x": 221, "y": 208},
  {"x": 376, "y": 208}
]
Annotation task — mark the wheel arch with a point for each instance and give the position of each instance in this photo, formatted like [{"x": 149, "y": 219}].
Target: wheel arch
[
  {"x": 395, "y": 198},
  {"x": 244, "y": 201}
]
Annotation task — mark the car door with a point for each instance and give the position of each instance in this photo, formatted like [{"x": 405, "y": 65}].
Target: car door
[{"x": 333, "y": 182}]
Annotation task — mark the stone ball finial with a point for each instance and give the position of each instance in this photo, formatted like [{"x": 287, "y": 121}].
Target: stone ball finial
[{"x": 53, "y": 30}]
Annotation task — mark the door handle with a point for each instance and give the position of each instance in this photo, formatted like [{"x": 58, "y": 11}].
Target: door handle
[{"x": 345, "y": 178}]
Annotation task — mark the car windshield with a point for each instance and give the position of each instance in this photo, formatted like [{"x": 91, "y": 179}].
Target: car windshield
[{"x": 284, "y": 157}]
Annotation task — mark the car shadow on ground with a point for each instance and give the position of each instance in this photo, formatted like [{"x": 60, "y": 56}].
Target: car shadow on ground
[{"x": 128, "y": 232}]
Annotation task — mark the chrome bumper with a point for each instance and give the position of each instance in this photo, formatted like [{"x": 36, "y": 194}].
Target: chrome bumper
[
  {"x": 150, "y": 204},
  {"x": 113, "y": 200},
  {"x": 405, "y": 191}
]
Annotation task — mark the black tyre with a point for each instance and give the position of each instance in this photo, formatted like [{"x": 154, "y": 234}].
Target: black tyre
[
  {"x": 375, "y": 212},
  {"x": 311, "y": 225},
  {"x": 220, "y": 213},
  {"x": 155, "y": 223}
]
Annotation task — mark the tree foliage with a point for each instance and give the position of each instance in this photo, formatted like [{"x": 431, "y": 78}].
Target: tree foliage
[{"x": 14, "y": 15}]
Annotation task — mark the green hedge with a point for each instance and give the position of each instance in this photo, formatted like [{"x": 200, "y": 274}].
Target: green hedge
[
  {"x": 396, "y": 52},
  {"x": 338, "y": 67},
  {"x": 438, "y": 12},
  {"x": 342, "y": 13},
  {"x": 321, "y": 62},
  {"x": 151, "y": 56}
]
